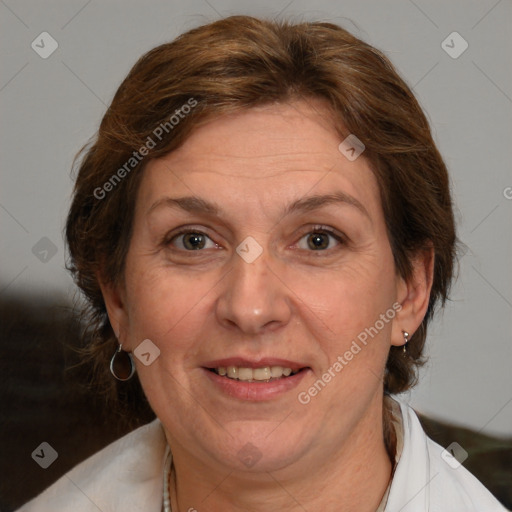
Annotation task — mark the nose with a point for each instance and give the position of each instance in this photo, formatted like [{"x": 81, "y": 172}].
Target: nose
[{"x": 254, "y": 297}]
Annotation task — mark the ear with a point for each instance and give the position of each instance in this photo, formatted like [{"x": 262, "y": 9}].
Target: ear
[
  {"x": 113, "y": 296},
  {"x": 414, "y": 296}
]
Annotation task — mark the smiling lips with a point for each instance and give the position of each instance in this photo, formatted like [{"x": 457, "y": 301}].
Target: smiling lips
[
  {"x": 264, "y": 373},
  {"x": 251, "y": 382},
  {"x": 263, "y": 370}
]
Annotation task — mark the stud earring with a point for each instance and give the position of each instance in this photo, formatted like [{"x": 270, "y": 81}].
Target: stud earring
[
  {"x": 122, "y": 366},
  {"x": 406, "y": 339}
]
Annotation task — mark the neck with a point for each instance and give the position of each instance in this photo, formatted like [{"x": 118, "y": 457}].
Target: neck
[{"x": 352, "y": 477}]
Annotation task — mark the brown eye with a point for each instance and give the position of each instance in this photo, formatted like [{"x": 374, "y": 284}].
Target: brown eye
[
  {"x": 192, "y": 241},
  {"x": 320, "y": 240}
]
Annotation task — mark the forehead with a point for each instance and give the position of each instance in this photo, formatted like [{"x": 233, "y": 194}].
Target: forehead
[
  {"x": 278, "y": 132},
  {"x": 276, "y": 152}
]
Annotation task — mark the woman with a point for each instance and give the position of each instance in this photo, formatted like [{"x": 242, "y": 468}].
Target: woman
[{"x": 263, "y": 227}]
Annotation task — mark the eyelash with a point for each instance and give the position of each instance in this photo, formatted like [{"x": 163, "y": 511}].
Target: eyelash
[
  {"x": 168, "y": 239},
  {"x": 318, "y": 229}
]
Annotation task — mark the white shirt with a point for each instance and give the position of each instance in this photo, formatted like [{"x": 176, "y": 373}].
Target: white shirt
[
  {"x": 425, "y": 482},
  {"x": 127, "y": 475}
]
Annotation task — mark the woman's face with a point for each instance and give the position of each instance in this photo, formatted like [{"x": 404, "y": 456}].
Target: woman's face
[{"x": 259, "y": 246}]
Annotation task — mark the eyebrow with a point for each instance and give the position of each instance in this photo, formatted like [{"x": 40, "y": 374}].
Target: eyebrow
[{"x": 198, "y": 205}]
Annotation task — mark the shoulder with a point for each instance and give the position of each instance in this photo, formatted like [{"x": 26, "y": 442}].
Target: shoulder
[
  {"x": 427, "y": 477},
  {"x": 126, "y": 474},
  {"x": 454, "y": 486}
]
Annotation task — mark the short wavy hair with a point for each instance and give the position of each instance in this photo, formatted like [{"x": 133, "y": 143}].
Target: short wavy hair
[{"x": 235, "y": 64}]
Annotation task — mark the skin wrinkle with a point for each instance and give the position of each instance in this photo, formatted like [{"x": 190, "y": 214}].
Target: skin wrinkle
[
  {"x": 199, "y": 205},
  {"x": 157, "y": 219},
  {"x": 329, "y": 454}
]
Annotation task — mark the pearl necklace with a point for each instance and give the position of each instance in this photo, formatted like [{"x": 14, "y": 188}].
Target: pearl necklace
[{"x": 167, "y": 474}]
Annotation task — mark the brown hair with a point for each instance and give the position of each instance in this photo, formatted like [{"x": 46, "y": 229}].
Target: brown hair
[{"x": 238, "y": 63}]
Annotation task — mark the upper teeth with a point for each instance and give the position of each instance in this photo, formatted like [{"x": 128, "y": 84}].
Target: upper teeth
[{"x": 248, "y": 374}]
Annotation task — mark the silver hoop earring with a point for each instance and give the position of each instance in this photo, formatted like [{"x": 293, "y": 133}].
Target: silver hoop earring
[
  {"x": 122, "y": 366},
  {"x": 406, "y": 339}
]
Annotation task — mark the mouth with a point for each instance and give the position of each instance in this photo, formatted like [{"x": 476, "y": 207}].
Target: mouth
[
  {"x": 259, "y": 374},
  {"x": 260, "y": 380}
]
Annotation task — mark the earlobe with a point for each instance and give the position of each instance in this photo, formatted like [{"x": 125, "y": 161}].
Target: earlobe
[
  {"x": 414, "y": 296},
  {"x": 114, "y": 302}
]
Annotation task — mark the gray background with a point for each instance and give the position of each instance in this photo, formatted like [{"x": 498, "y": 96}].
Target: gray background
[{"x": 50, "y": 107}]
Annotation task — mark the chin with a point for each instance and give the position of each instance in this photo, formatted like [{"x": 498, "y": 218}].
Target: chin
[{"x": 261, "y": 450}]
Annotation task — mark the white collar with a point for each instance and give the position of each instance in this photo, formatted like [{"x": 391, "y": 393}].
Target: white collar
[{"x": 127, "y": 475}]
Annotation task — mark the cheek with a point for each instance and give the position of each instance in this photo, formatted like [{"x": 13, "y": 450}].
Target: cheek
[
  {"x": 162, "y": 303},
  {"x": 350, "y": 298},
  {"x": 351, "y": 332}
]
